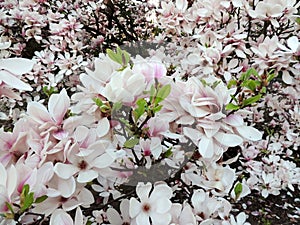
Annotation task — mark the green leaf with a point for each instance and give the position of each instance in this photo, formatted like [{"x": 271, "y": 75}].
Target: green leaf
[
  {"x": 29, "y": 199},
  {"x": 270, "y": 77},
  {"x": 215, "y": 84},
  {"x": 25, "y": 190},
  {"x": 88, "y": 222},
  {"x": 114, "y": 56},
  {"x": 251, "y": 100},
  {"x": 232, "y": 106},
  {"x": 41, "y": 199},
  {"x": 157, "y": 108},
  {"x": 231, "y": 83},
  {"x": 140, "y": 110},
  {"x": 251, "y": 84},
  {"x": 152, "y": 92},
  {"x": 131, "y": 142},
  {"x": 238, "y": 190},
  {"x": 297, "y": 20},
  {"x": 9, "y": 206},
  {"x": 98, "y": 102},
  {"x": 263, "y": 90},
  {"x": 168, "y": 153},
  {"x": 162, "y": 93}
]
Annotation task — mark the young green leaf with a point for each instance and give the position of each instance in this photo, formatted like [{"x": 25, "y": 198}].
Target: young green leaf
[
  {"x": 98, "y": 102},
  {"x": 238, "y": 190},
  {"x": 41, "y": 199},
  {"x": 131, "y": 142},
  {"x": 116, "y": 106},
  {"x": 152, "y": 92},
  {"x": 114, "y": 56},
  {"x": 251, "y": 100},
  {"x": 162, "y": 93},
  {"x": 232, "y": 106},
  {"x": 9, "y": 206},
  {"x": 29, "y": 199},
  {"x": 231, "y": 83}
]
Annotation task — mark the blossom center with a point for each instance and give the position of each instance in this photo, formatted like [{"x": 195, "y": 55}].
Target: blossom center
[
  {"x": 146, "y": 208},
  {"x": 82, "y": 165}
]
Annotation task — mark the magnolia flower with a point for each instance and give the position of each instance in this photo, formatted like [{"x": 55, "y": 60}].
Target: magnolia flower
[
  {"x": 155, "y": 206},
  {"x": 10, "y": 73},
  {"x": 124, "y": 86},
  {"x": 182, "y": 215}
]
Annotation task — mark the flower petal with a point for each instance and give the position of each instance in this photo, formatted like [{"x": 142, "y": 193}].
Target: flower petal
[
  {"x": 11, "y": 80},
  {"x": 113, "y": 216},
  {"x": 134, "y": 207},
  {"x": 103, "y": 127},
  {"x": 229, "y": 140},
  {"x": 58, "y": 105},
  {"x": 59, "y": 216},
  {"x": 249, "y": 133},
  {"x": 65, "y": 171},
  {"x": 87, "y": 176},
  {"x": 17, "y": 66}
]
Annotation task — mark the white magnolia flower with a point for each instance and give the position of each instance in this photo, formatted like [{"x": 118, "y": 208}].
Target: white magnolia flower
[{"x": 155, "y": 205}]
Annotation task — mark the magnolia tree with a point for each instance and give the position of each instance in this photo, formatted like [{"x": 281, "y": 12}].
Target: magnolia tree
[{"x": 92, "y": 135}]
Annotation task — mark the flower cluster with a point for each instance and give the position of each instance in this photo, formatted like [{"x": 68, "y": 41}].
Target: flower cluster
[{"x": 102, "y": 136}]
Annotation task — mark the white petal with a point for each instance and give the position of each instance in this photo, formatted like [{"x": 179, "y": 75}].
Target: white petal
[
  {"x": 11, "y": 180},
  {"x": 103, "y": 127},
  {"x": 142, "y": 219},
  {"x": 234, "y": 120},
  {"x": 205, "y": 147},
  {"x": 13, "y": 81},
  {"x": 113, "y": 216},
  {"x": 59, "y": 216},
  {"x": 287, "y": 78},
  {"x": 78, "y": 217},
  {"x": 249, "y": 133},
  {"x": 58, "y": 105},
  {"x": 87, "y": 176},
  {"x": 134, "y": 207},
  {"x": 65, "y": 171},
  {"x": 3, "y": 175},
  {"x": 163, "y": 205},
  {"x": 161, "y": 219},
  {"x": 181, "y": 5},
  {"x": 66, "y": 187},
  {"x": 230, "y": 140},
  {"x": 161, "y": 191},
  {"x": 293, "y": 43},
  {"x": 143, "y": 191},
  {"x": 105, "y": 160},
  {"x": 38, "y": 112},
  {"x": 17, "y": 66}
]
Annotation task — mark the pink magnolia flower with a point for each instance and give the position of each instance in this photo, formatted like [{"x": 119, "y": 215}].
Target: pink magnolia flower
[
  {"x": 51, "y": 119},
  {"x": 155, "y": 205}
]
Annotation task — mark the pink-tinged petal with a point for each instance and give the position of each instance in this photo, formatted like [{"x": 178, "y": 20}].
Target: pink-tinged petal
[
  {"x": 134, "y": 207},
  {"x": 142, "y": 219},
  {"x": 229, "y": 140},
  {"x": 58, "y": 105},
  {"x": 143, "y": 191},
  {"x": 17, "y": 66},
  {"x": 234, "y": 120},
  {"x": 249, "y": 133},
  {"x": 103, "y": 161},
  {"x": 38, "y": 112},
  {"x": 206, "y": 147},
  {"x": 60, "y": 217},
  {"x": 156, "y": 147},
  {"x": 103, "y": 127},
  {"x": 48, "y": 206},
  {"x": 66, "y": 187},
  {"x": 9, "y": 93},
  {"x": 87, "y": 176},
  {"x": 113, "y": 216},
  {"x": 65, "y": 171},
  {"x": 11, "y": 80},
  {"x": 163, "y": 205},
  {"x": 161, "y": 191},
  {"x": 78, "y": 217}
]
